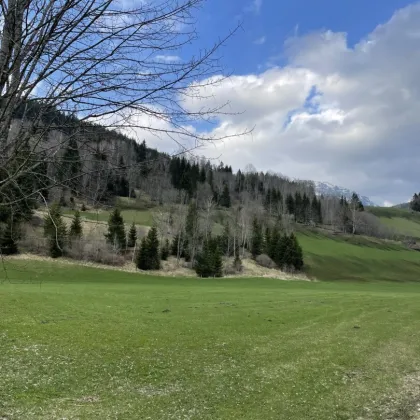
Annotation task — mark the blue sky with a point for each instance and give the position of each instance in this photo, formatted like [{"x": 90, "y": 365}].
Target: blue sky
[
  {"x": 330, "y": 88},
  {"x": 274, "y": 21}
]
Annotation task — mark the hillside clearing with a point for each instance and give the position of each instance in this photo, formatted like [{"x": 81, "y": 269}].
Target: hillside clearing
[{"x": 82, "y": 343}]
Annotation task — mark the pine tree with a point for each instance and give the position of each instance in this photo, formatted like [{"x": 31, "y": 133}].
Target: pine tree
[
  {"x": 290, "y": 204},
  {"x": 71, "y": 165},
  {"x": 273, "y": 243},
  {"x": 297, "y": 253},
  {"x": 225, "y": 241},
  {"x": 280, "y": 251},
  {"x": 153, "y": 249},
  {"x": 8, "y": 244},
  {"x": 217, "y": 263},
  {"x": 76, "y": 226},
  {"x": 55, "y": 230},
  {"x": 142, "y": 255},
  {"x": 209, "y": 261},
  {"x": 164, "y": 253},
  {"x": 132, "y": 236},
  {"x": 174, "y": 246},
  {"x": 257, "y": 238},
  {"x": 202, "y": 175},
  {"x": 225, "y": 197},
  {"x": 116, "y": 230}
]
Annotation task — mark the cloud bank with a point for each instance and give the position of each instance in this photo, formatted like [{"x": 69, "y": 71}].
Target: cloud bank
[{"x": 345, "y": 115}]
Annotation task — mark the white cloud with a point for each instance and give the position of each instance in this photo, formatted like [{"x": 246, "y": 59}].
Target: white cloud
[
  {"x": 358, "y": 128},
  {"x": 260, "y": 41},
  {"x": 168, "y": 58},
  {"x": 254, "y": 6}
]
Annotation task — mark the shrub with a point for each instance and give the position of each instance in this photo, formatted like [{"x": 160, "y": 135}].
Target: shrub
[
  {"x": 97, "y": 252},
  {"x": 265, "y": 261}
]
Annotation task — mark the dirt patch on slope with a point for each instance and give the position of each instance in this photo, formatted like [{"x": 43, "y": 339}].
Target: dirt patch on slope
[{"x": 170, "y": 268}]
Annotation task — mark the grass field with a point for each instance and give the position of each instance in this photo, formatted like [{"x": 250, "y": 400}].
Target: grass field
[
  {"x": 402, "y": 221},
  {"x": 139, "y": 217},
  {"x": 403, "y": 226},
  {"x": 82, "y": 343},
  {"x": 358, "y": 258}
]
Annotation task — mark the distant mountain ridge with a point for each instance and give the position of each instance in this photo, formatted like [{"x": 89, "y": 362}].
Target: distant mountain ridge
[{"x": 327, "y": 189}]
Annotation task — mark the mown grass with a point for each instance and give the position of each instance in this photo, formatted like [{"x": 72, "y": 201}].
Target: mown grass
[
  {"x": 82, "y": 343},
  {"x": 358, "y": 258},
  {"x": 402, "y": 226},
  {"x": 139, "y": 217},
  {"x": 391, "y": 212}
]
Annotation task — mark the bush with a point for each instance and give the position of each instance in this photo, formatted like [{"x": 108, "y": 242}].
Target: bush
[
  {"x": 97, "y": 252},
  {"x": 265, "y": 261},
  {"x": 233, "y": 267}
]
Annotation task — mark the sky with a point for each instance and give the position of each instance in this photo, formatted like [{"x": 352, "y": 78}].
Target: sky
[{"x": 330, "y": 89}]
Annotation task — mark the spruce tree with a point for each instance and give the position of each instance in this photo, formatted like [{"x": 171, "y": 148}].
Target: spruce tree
[
  {"x": 164, "y": 252},
  {"x": 174, "y": 246},
  {"x": 55, "y": 230},
  {"x": 225, "y": 197},
  {"x": 257, "y": 238},
  {"x": 290, "y": 204},
  {"x": 8, "y": 244},
  {"x": 142, "y": 255},
  {"x": 272, "y": 244},
  {"x": 280, "y": 251},
  {"x": 153, "y": 249},
  {"x": 116, "y": 230},
  {"x": 297, "y": 253},
  {"x": 209, "y": 261},
  {"x": 132, "y": 236},
  {"x": 217, "y": 263},
  {"x": 76, "y": 230}
]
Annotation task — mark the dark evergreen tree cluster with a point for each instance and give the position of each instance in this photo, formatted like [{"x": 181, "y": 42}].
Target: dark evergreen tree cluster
[
  {"x": 185, "y": 175},
  {"x": 76, "y": 230},
  {"x": 132, "y": 236},
  {"x": 356, "y": 202},
  {"x": 284, "y": 250},
  {"x": 148, "y": 255},
  {"x": 415, "y": 202},
  {"x": 209, "y": 261},
  {"x": 116, "y": 230},
  {"x": 343, "y": 215},
  {"x": 272, "y": 199},
  {"x": 69, "y": 171},
  {"x": 304, "y": 209}
]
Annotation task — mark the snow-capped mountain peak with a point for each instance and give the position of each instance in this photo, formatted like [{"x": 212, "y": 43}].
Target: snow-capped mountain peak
[{"x": 327, "y": 189}]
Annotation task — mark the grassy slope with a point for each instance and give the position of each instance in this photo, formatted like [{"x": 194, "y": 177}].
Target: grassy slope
[
  {"x": 402, "y": 221},
  {"x": 358, "y": 258},
  {"x": 90, "y": 344},
  {"x": 139, "y": 217}
]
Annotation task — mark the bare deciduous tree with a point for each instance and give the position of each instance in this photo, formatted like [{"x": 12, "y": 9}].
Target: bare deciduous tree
[{"x": 94, "y": 61}]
